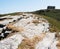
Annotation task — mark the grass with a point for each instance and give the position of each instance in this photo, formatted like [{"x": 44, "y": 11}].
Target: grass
[
  {"x": 30, "y": 43},
  {"x": 53, "y": 17},
  {"x": 12, "y": 14},
  {"x": 54, "y": 24}
]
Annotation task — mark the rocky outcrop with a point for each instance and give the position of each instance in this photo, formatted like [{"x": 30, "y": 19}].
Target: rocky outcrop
[{"x": 30, "y": 33}]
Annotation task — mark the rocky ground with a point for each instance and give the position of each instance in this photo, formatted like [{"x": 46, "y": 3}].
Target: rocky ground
[{"x": 29, "y": 32}]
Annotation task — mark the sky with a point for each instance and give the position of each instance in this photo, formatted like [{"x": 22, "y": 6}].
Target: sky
[{"x": 9, "y": 6}]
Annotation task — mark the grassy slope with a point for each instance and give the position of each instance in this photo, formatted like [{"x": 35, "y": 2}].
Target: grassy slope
[
  {"x": 53, "y": 16},
  {"x": 55, "y": 24}
]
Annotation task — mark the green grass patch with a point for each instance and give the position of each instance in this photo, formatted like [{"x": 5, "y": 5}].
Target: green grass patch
[
  {"x": 53, "y": 17},
  {"x": 54, "y": 24}
]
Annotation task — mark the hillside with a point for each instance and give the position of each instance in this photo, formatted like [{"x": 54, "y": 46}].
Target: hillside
[
  {"x": 12, "y": 14},
  {"x": 27, "y": 31},
  {"x": 53, "y": 16}
]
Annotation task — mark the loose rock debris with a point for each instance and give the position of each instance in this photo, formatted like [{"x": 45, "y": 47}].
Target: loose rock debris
[{"x": 27, "y": 32}]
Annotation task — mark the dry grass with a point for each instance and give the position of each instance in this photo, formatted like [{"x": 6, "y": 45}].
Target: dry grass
[
  {"x": 58, "y": 45},
  {"x": 14, "y": 28},
  {"x": 30, "y": 43},
  {"x": 35, "y": 21},
  {"x": 26, "y": 44}
]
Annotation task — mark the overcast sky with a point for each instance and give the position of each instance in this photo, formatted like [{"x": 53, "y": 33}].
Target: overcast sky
[{"x": 8, "y": 6}]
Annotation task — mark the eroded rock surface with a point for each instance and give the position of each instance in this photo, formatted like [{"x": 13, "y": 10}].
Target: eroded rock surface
[{"x": 30, "y": 33}]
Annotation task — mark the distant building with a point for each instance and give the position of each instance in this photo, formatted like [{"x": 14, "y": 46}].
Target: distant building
[{"x": 51, "y": 7}]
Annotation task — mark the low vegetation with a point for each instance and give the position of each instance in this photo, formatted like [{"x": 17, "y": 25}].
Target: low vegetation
[
  {"x": 12, "y": 14},
  {"x": 53, "y": 16}
]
